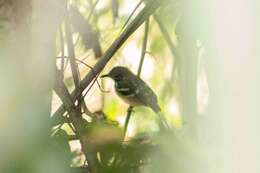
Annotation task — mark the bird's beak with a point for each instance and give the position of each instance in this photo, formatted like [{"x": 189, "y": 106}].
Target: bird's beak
[{"x": 106, "y": 75}]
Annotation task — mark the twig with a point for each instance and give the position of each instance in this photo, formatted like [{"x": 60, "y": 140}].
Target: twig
[
  {"x": 144, "y": 46},
  {"x": 95, "y": 80},
  {"x": 148, "y": 10}
]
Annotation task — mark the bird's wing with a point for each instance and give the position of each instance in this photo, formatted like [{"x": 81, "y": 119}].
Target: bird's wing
[
  {"x": 126, "y": 88},
  {"x": 146, "y": 95}
]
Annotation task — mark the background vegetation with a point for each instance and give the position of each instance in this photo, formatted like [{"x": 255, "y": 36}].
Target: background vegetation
[{"x": 57, "y": 115}]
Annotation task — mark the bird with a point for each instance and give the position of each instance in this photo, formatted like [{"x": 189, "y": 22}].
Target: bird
[{"x": 134, "y": 91}]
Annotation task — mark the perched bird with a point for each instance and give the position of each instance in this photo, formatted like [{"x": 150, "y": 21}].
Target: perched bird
[{"x": 134, "y": 91}]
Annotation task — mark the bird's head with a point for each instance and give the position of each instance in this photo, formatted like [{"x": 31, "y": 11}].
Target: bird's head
[{"x": 118, "y": 73}]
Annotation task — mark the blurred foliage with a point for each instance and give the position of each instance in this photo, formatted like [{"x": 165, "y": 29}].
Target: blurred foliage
[{"x": 94, "y": 25}]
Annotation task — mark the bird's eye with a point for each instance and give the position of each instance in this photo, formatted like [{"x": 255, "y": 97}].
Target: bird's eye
[{"x": 117, "y": 76}]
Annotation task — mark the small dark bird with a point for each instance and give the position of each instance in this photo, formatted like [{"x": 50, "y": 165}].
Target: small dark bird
[{"x": 134, "y": 91}]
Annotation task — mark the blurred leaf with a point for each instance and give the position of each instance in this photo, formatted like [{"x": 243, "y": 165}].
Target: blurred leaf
[
  {"x": 99, "y": 134},
  {"x": 88, "y": 35}
]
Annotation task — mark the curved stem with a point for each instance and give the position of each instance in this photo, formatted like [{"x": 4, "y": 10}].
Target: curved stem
[{"x": 166, "y": 35}]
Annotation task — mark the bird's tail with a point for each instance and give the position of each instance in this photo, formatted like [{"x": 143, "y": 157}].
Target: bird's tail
[{"x": 162, "y": 121}]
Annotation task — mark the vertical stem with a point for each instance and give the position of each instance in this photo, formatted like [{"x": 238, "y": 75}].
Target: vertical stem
[
  {"x": 71, "y": 54},
  {"x": 62, "y": 51},
  {"x": 73, "y": 64},
  {"x": 144, "y": 46},
  {"x": 127, "y": 119}
]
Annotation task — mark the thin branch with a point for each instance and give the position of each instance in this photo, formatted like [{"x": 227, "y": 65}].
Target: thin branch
[
  {"x": 91, "y": 85},
  {"x": 95, "y": 80},
  {"x": 144, "y": 47},
  {"x": 148, "y": 10},
  {"x": 131, "y": 15},
  {"x": 71, "y": 55},
  {"x": 73, "y": 64}
]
